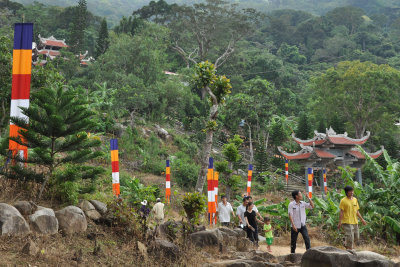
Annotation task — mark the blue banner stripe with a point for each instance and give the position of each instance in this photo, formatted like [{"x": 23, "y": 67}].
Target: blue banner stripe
[
  {"x": 250, "y": 167},
  {"x": 167, "y": 163},
  {"x": 114, "y": 144},
  {"x": 210, "y": 163},
  {"x": 23, "y": 34}
]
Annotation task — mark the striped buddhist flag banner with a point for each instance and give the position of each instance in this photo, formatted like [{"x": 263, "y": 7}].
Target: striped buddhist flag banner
[
  {"x": 115, "y": 166},
  {"x": 310, "y": 181},
  {"x": 167, "y": 181},
  {"x": 325, "y": 181},
  {"x": 287, "y": 171},
  {"x": 249, "y": 175},
  {"x": 21, "y": 83},
  {"x": 216, "y": 177},
  {"x": 210, "y": 188}
]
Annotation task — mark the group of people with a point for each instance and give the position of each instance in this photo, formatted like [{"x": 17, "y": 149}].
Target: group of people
[{"x": 248, "y": 216}]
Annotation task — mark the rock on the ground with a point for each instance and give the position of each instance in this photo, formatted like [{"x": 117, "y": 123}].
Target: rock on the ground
[
  {"x": 243, "y": 244},
  {"x": 11, "y": 221},
  {"x": 207, "y": 238},
  {"x": 332, "y": 257},
  {"x": 293, "y": 257},
  {"x": 100, "y": 206},
  {"x": 44, "y": 221},
  {"x": 71, "y": 220},
  {"x": 161, "y": 132},
  {"x": 30, "y": 248},
  {"x": 142, "y": 249},
  {"x": 240, "y": 232},
  {"x": 170, "y": 229},
  {"x": 24, "y": 207},
  {"x": 265, "y": 255},
  {"x": 236, "y": 263},
  {"x": 90, "y": 210},
  {"x": 164, "y": 249}
]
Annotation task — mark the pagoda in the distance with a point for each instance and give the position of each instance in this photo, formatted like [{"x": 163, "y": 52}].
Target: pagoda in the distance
[{"x": 330, "y": 148}]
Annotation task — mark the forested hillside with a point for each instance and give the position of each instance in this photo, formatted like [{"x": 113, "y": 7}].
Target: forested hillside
[{"x": 115, "y": 9}]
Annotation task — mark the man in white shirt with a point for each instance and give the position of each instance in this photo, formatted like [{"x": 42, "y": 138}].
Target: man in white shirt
[
  {"x": 158, "y": 211},
  {"x": 297, "y": 216},
  {"x": 240, "y": 212},
  {"x": 224, "y": 211}
]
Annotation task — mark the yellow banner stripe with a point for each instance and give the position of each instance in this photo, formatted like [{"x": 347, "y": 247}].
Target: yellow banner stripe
[
  {"x": 210, "y": 174},
  {"x": 167, "y": 170},
  {"x": 310, "y": 177},
  {"x": 114, "y": 155},
  {"x": 22, "y": 61},
  {"x": 250, "y": 173}
]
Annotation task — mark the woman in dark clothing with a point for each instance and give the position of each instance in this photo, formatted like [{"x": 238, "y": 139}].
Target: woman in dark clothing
[{"x": 251, "y": 220}]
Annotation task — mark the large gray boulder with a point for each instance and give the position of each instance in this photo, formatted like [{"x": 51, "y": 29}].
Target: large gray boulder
[
  {"x": 212, "y": 237},
  {"x": 243, "y": 244},
  {"x": 332, "y": 257},
  {"x": 44, "y": 221},
  {"x": 236, "y": 263},
  {"x": 24, "y": 207},
  {"x": 11, "y": 221},
  {"x": 90, "y": 210},
  {"x": 100, "y": 206},
  {"x": 161, "y": 248},
  {"x": 71, "y": 220}
]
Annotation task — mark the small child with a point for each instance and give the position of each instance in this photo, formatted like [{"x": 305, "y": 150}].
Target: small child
[{"x": 268, "y": 233}]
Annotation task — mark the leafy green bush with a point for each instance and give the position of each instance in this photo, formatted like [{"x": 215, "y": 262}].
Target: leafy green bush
[
  {"x": 194, "y": 204},
  {"x": 184, "y": 170},
  {"x": 135, "y": 192}
]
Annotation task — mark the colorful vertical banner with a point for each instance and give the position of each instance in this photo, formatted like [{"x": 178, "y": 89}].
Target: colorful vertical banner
[
  {"x": 167, "y": 181},
  {"x": 21, "y": 82},
  {"x": 287, "y": 171},
  {"x": 249, "y": 175},
  {"x": 310, "y": 181},
  {"x": 216, "y": 177},
  {"x": 325, "y": 182},
  {"x": 115, "y": 166},
  {"x": 210, "y": 188}
]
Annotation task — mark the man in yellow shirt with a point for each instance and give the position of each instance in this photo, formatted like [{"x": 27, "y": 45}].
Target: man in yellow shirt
[{"x": 349, "y": 211}]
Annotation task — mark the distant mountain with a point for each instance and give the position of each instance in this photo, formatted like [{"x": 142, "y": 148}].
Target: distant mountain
[{"x": 113, "y": 10}]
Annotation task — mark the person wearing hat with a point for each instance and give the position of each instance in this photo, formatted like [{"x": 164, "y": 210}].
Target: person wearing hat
[
  {"x": 144, "y": 210},
  {"x": 158, "y": 211}
]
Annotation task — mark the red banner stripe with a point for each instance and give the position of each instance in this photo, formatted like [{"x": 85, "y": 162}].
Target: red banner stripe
[
  {"x": 115, "y": 166},
  {"x": 168, "y": 177},
  {"x": 21, "y": 86}
]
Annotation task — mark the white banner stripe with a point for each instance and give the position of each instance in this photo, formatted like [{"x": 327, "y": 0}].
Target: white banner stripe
[
  {"x": 210, "y": 199},
  {"x": 168, "y": 184},
  {"x": 115, "y": 177},
  {"x": 248, "y": 184},
  {"x": 15, "y": 111}
]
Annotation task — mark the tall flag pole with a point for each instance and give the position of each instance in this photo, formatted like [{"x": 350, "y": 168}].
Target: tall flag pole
[
  {"x": 21, "y": 83},
  {"x": 167, "y": 181},
  {"x": 249, "y": 175},
  {"x": 310, "y": 181},
  {"x": 216, "y": 177},
  {"x": 210, "y": 187},
  {"x": 287, "y": 171},
  {"x": 115, "y": 166},
  {"x": 325, "y": 182}
]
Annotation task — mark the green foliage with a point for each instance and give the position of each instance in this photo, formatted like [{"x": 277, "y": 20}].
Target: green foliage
[
  {"x": 291, "y": 54},
  {"x": 134, "y": 192},
  {"x": 194, "y": 205},
  {"x": 5, "y": 79},
  {"x": 184, "y": 170},
  {"x": 56, "y": 135},
  {"x": 79, "y": 25},
  {"x": 103, "y": 40},
  {"x": 304, "y": 129},
  {"x": 279, "y": 214}
]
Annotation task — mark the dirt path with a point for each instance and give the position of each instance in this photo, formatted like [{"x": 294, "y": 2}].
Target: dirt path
[{"x": 281, "y": 250}]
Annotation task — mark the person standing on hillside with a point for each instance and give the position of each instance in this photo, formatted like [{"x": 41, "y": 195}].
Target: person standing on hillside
[
  {"x": 158, "y": 211},
  {"x": 297, "y": 215},
  {"x": 349, "y": 211},
  {"x": 250, "y": 217},
  {"x": 240, "y": 212},
  {"x": 224, "y": 211}
]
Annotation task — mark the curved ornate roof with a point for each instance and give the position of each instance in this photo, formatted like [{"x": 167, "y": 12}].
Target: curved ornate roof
[
  {"x": 332, "y": 137},
  {"x": 307, "y": 152},
  {"x": 359, "y": 155}
]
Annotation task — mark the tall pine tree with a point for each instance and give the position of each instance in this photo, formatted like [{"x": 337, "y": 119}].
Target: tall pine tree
[
  {"x": 304, "y": 127},
  {"x": 78, "y": 27},
  {"x": 56, "y": 137},
  {"x": 102, "y": 40}
]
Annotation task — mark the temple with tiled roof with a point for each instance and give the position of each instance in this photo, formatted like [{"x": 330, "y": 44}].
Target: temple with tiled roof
[
  {"x": 331, "y": 148},
  {"x": 49, "y": 48}
]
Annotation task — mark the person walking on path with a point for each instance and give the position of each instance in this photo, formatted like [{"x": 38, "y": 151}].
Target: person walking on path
[
  {"x": 158, "y": 211},
  {"x": 269, "y": 237},
  {"x": 224, "y": 211},
  {"x": 349, "y": 211},
  {"x": 251, "y": 222},
  {"x": 297, "y": 215},
  {"x": 255, "y": 208},
  {"x": 240, "y": 212}
]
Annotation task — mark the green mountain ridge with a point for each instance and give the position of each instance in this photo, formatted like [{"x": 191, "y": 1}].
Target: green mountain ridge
[{"x": 114, "y": 10}]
